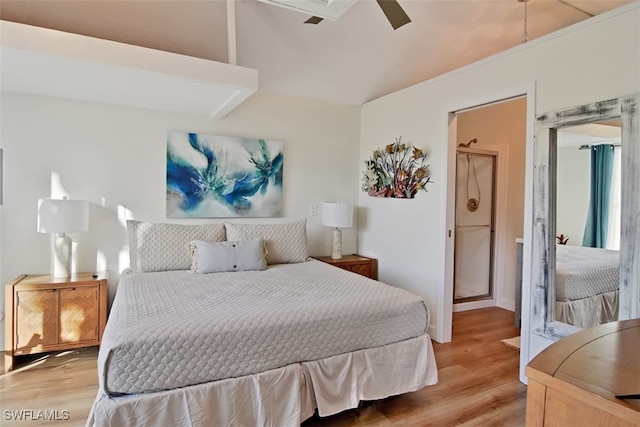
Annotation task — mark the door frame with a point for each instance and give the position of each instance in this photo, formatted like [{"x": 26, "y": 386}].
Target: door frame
[{"x": 444, "y": 321}]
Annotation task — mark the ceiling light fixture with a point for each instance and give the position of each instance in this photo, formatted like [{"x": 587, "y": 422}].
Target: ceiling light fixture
[
  {"x": 334, "y": 9},
  {"x": 324, "y": 9}
]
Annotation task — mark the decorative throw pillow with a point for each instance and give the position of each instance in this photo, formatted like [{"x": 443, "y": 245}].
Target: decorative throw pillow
[
  {"x": 218, "y": 257},
  {"x": 285, "y": 243},
  {"x": 164, "y": 247}
]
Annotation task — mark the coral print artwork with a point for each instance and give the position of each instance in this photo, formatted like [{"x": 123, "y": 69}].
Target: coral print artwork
[
  {"x": 212, "y": 176},
  {"x": 397, "y": 171}
]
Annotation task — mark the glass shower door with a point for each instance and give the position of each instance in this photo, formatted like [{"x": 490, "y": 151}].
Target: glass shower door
[{"x": 474, "y": 236}]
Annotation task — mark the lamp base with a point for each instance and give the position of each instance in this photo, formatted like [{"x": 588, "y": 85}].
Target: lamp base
[
  {"x": 62, "y": 262},
  {"x": 336, "y": 244}
]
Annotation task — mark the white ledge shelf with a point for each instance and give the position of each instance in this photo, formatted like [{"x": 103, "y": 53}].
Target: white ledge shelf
[{"x": 40, "y": 61}]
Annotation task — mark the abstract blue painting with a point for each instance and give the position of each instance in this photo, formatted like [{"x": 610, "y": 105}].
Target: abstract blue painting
[{"x": 210, "y": 176}]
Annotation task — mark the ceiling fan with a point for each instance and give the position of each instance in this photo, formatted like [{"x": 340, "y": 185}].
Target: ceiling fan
[
  {"x": 391, "y": 9},
  {"x": 333, "y": 9}
]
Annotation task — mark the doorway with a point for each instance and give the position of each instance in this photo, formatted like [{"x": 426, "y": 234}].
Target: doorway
[
  {"x": 474, "y": 224},
  {"x": 500, "y": 130}
]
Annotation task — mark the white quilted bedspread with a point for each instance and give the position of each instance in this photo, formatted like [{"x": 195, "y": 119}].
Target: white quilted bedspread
[
  {"x": 174, "y": 329},
  {"x": 584, "y": 272}
]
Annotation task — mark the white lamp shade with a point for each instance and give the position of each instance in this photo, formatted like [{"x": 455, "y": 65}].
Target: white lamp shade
[
  {"x": 335, "y": 214},
  {"x": 62, "y": 215}
]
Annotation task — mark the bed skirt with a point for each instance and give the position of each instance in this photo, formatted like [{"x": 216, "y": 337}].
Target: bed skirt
[
  {"x": 280, "y": 397},
  {"x": 589, "y": 312}
]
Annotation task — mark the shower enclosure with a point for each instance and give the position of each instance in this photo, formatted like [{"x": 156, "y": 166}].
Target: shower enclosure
[{"x": 474, "y": 226}]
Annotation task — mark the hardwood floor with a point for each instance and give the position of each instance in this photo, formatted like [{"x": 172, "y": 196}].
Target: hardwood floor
[{"x": 478, "y": 385}]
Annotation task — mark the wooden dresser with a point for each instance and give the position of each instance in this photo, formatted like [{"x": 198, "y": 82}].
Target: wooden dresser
[
  {"x": 44, "y": 313},
  {"x": 574, "y": 381},
  {"x": 358, "y": 264}
]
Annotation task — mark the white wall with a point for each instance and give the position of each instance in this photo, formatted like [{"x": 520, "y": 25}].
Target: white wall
[
  {"x": 594, "y": 60},
  {"x": 573, "y": 182},
  {"x": 116, "y": 157}
]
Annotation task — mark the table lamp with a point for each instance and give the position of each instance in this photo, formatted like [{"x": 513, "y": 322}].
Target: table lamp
[
  {"x": 62, "y": 216},
  {"x": 338, "y": 215}
]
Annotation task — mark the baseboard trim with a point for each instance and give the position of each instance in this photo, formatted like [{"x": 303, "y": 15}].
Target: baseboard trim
[{"x": 473, "y": 305}]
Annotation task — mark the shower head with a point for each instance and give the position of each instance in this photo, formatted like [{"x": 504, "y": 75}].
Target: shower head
[{"x": 468, "y": 144}]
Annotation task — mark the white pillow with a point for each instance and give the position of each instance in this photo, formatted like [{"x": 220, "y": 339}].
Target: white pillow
[
  {"x": 285, "y": 243},
  {"x": 217, "y": 257},
  {"x": 164, "y": 247}
]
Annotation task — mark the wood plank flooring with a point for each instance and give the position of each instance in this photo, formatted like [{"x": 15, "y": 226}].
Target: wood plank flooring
[{"x": 478, "y": 385}]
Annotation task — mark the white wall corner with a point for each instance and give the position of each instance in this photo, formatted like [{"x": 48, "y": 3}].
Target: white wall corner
[{"x": 506, "y": 304}]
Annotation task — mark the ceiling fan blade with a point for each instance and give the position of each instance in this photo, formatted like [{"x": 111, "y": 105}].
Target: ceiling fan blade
[
  {"x": 394, "y": 13},
  {"x": 314, "y": 20}
]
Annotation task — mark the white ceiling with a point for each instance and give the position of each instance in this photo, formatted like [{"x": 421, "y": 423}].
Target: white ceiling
[
  {"x": 40, "y": 61},
  {"x": 352, "y": 60},
  {"x": 593, "y": 133}
]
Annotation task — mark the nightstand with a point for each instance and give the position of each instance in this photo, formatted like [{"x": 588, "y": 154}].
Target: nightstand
[
  {"x": 362, "y": 265},
  {"x": 43, "y": 313}
]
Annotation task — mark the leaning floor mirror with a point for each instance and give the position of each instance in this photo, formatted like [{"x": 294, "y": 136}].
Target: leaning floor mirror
[{"x": 586, "y": 209}]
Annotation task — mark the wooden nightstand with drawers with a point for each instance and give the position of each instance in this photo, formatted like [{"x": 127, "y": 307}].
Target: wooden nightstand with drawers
[
  {"x": 364, "y": 266},
  {"x": 43, "y": 313}
]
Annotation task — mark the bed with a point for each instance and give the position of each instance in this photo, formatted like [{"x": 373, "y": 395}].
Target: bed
[
  {"x": 261, "y": 346},
  {"x": 587, "y": 281}
]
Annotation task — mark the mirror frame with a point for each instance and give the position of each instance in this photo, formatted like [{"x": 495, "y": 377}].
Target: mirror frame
[{"x": 543, "y": 261}]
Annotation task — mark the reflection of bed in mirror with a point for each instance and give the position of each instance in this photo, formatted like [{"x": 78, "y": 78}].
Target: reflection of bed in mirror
[
  {"x": 550, "y": 217},
  {"x": 587, "y": 281}
]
